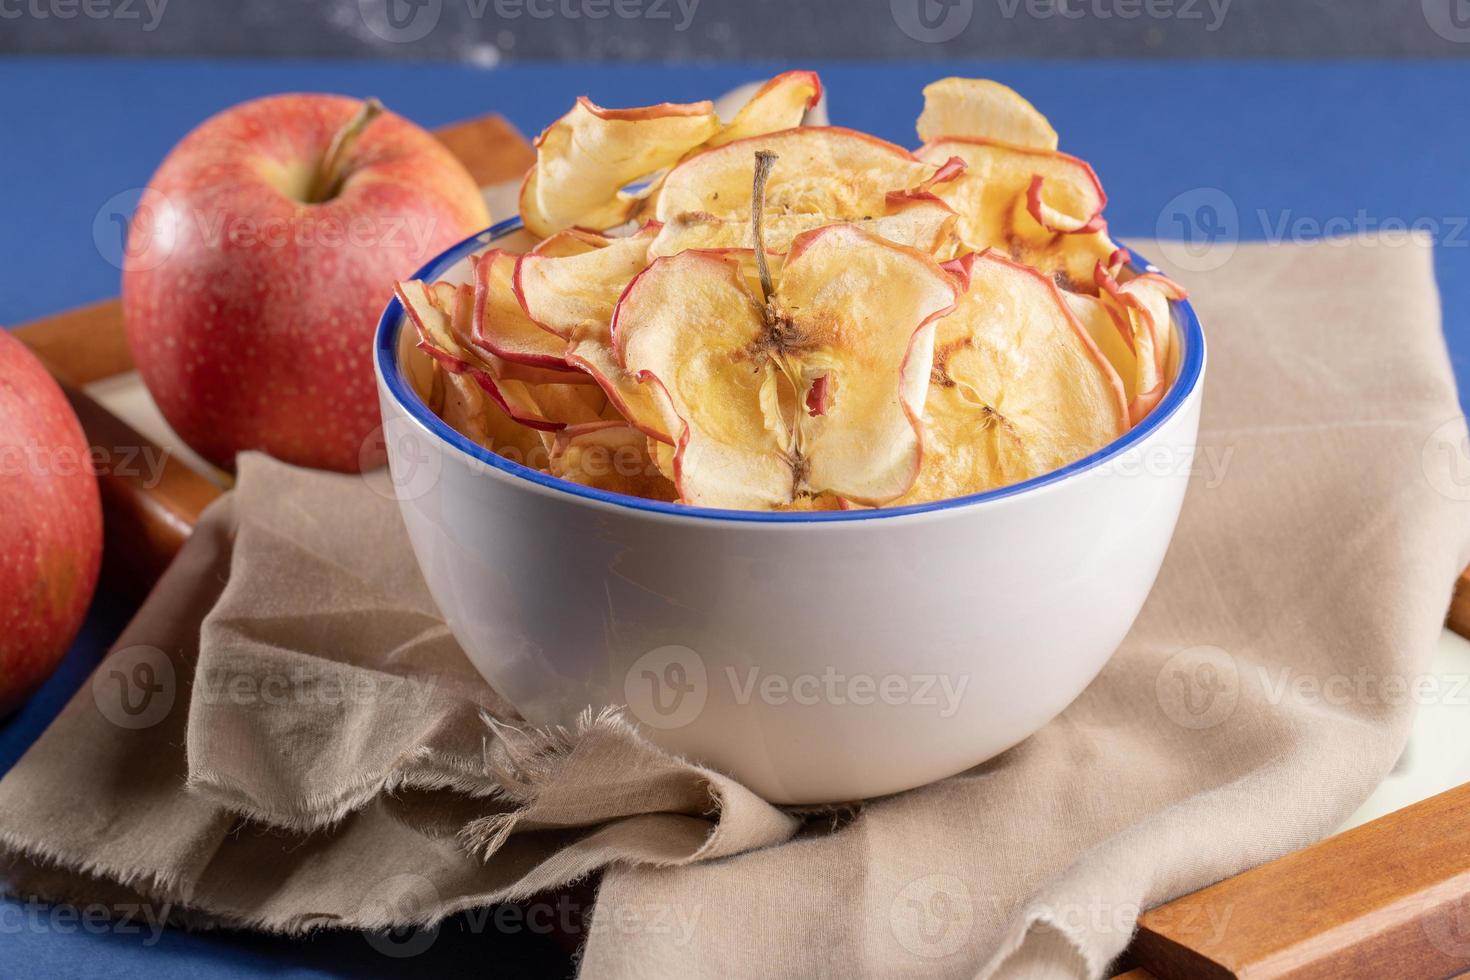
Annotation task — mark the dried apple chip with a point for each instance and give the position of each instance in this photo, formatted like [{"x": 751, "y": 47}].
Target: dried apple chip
[
  {"x": 779, "y": 104},
  {"x": 441, "y": 315},
  {"x": 982, "y": 109},
  {"x": 574, "y": 295},
  {"x": 586, "y": 158},
  {"x": 1017, "y": 387},
  {"x": 829, "y": 171},
  {"x": 609, "y": 455},
  {"x": 1141, "y": 309},
  {"x": 1042, "y": 208},
  {"x": 501, "y": 325},
  {"x": 733, "y": 373}
]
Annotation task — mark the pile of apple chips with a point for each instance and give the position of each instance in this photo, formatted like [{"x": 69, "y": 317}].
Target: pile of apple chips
[{"x": 755, "y": 314}]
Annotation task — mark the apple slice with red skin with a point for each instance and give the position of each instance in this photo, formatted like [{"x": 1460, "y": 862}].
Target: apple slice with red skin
[
  {"x": 1042, "y": 208},
  {"x": 573, "y": 295},
  {"x": 840, "y": 173},
  {"x": 733, "y": 374},
  {"x": 1141, "y": 309},
  {"x": 586, "y": 158},
  {"x": 982, "y": 109},
  {"x": 469, "y": 410},
  {"x": 609, "y": 455},
  {"x": 441, "y": 314},
  {"x": 502, "y": 327},
  {"x": 1017, "y": 390},
  {"x": 570, "y": 241},
  {"x": 779, "y": 104}
]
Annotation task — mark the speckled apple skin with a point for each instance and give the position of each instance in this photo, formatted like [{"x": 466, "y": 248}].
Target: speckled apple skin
[
  {"x": 250, "y": 314},
  {"x": 50, "y": 524}
]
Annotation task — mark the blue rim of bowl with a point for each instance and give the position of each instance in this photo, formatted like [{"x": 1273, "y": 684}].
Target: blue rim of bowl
[{"x": 385, "y": 353}]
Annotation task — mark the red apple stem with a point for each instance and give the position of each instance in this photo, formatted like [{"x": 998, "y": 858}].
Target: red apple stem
[{"x": 328, "y": 180}]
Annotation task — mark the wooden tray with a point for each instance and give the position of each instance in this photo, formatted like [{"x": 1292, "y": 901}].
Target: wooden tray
[{"x": 1390, "y": 898}]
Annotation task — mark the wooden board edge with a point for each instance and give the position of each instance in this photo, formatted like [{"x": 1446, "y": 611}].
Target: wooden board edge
[{"x": 1388, "y": 898}]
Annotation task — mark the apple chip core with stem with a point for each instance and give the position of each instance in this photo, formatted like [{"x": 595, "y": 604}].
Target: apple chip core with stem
[
  {"x": 734, "y": 374},
  {"x": 1018, "y": 389}
]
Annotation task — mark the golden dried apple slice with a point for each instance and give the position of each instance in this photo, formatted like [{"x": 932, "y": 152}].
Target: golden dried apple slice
[
  {"x": 500, "y": 324},
  {"x": 779, "y": 104},
  {"x": 571, "y": 241},
  {"x": 573, "y": 295},
  {"x": 631, "y": 400},
  {"x": 860, "y": 423},
  {"x": 611, "y": 456},
  {"x": 471, "y": 412},
  {"x": 1042, "y": 208},
  {"x": 919, "y": 221},
  {"x": 1111, "y": 333},
  {"x": 441, "y": 315},
  {"x": 1018, "y": 389},
  {"x": 586, "y": 158},
  {"x": 829, "y": 171},
  {"x": 1141, "y": 308},
  {"x": 983, "y": 109},
  {"x": 735, "y": 375}
]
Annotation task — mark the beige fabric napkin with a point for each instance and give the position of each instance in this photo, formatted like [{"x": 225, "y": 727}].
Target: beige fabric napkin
[{"x": 287, "y": 736}]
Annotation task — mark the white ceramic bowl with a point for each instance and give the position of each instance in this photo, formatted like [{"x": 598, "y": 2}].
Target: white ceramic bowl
[{"x": 815, "y": 657}]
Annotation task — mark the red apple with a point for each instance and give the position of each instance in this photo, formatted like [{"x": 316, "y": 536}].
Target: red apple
[
  {"x": 51, "y": 528},
  {"x": 259, "y": 260}
]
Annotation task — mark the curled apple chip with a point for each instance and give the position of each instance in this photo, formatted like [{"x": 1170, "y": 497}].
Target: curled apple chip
[
  {"x": 734, "y": 374},
  {"x": 441, "y": 315},
  {"x": 920, "y": 221},
  {"x": 1041, "y": 207},
  {"x": 571, "y": 241},
  {"x": 781, "y": 103},
  {"x": 470, "y": 411},
  {"x": 573, "y": 295},
  {"x": 829, "y": 171},
  {"x": 1140, "y": 308},
  {"x": 609, "y": 455},
  {"x": 501, "y": 325},
  {"x": 1017, "y": 387},
  {"x": 586, "y": 158},
  {"x": 982, "y": 109}
]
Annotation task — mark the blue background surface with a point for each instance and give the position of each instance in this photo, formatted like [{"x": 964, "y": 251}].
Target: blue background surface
[{"x": 1364, "y": 144}]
